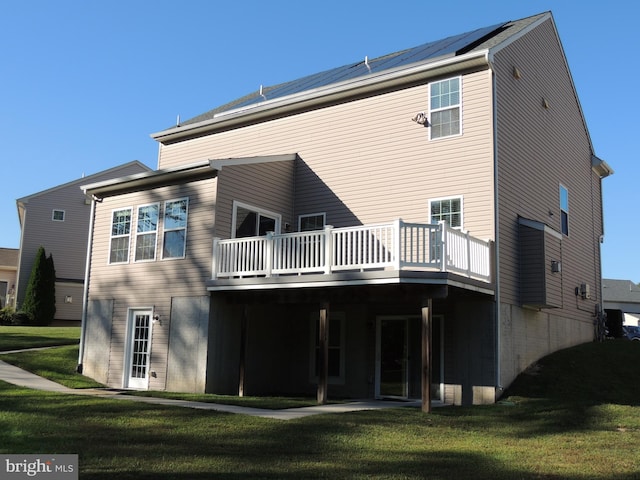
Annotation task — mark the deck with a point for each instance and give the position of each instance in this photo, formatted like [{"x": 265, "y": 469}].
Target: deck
[{"x": 395, "y": 246}]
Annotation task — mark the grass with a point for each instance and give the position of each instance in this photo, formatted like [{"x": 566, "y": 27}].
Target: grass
[
  {"x": 576, "y": 416},
  {"x": 14, "y": 338}
]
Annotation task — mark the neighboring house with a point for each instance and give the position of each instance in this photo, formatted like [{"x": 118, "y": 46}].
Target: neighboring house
[
  {"x": 422, "y": 225},
  {"x": 58, "y": 219},
  {"x": 8, "y": 269},
  {"x": 621, "y": 300}
]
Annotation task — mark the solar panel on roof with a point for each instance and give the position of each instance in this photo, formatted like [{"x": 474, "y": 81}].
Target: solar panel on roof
[{"x": 429, "y": 51}]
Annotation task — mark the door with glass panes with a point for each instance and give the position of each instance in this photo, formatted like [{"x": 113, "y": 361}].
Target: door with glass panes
[{"x": 138, "y": 349}]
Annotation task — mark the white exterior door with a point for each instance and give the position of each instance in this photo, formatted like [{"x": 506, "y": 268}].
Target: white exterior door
[{"x": 138, "y": 349}]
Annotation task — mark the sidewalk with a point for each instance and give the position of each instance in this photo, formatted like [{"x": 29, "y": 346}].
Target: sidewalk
[{"x": 17, "y": 376}]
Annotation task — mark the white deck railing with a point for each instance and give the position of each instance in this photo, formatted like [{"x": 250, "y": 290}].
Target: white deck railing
[{"x": 397, "y": 245}]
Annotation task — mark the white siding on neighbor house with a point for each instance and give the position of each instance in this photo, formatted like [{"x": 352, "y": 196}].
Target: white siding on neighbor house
[
  {"x": 366, "y": 161},
  {"x": 539, "y": 148},
  {"x": 151, "y": 284}
]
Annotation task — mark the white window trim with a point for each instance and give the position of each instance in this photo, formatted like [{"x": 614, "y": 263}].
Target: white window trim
[
  {"x": 333, "y": 380},
  {"x": 111, "y": 237},
  {"x": 452, "y": 197},
  {"x": 137, "y": 234},
  {"x": 319, "y": 214},
  {"x": 164, "y": 230},
  {"x": 431, "y": 110},
  {"x": 276, "y": 216},
  {"x": 53, "y": 215}
]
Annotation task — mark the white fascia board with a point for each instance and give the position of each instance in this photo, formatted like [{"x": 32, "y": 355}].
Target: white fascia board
[
  {"x": 217, "y": 164},
  {"x": 145, "y": 179}
]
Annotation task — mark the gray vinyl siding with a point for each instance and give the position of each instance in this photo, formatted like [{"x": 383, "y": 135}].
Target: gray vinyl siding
[
  {"x": 366, "y": 161},
  {"x": 151, "y": 284},
  {"x": 66, "y": 241}
]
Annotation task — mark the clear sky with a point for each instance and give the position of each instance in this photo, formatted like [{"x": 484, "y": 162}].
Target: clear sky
[{"x": 83, "y": 84}]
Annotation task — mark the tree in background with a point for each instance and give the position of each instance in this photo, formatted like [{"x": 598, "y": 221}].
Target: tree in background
[{"x": 40, "y": 298}]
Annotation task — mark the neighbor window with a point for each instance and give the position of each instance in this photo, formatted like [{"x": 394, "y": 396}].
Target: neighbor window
[
  {"x": 335, "y": 347},
  {"x": 175, "y": 228},
  {"x": 120, "y": 233},
  {"x": 444, "y": 108},
  {"x": 564, "y": 210},
  {"x": 447, "y": 209},
  {"x": 307, "y": 223},
  {"x": 251, "y": 221},
  {"x": 57, "y": 216},
  {"x": 146, "y": 232}
]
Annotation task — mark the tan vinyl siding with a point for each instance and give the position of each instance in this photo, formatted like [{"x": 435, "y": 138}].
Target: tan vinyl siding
[
  {"x": 152, "y": 284},
  {"x": 266, "y": 185},
  {"x": 366, "y": 162},
  {"x": 539, "y": 149}
]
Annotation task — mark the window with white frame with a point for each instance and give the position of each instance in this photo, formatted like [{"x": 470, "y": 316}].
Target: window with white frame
[
  {"x": 336, "y": 347},
  {"x": 445, "y": 108},
  {"x": 447, "y": 209},
  {"x": 251, "y": 221},
  {"x": 147, "y": 232},
  {"x": 174, "y": 242},
  {"x": 120, "y": 235},
  {"x": 314, "y": 221},
  {"x": 564, "y": 210},
  {"x": 57, "y": 216}
]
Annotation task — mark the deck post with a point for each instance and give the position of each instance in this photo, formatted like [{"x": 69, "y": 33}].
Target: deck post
[
  {"x": 426, "y": 355},
  {"x": 328, "y": 248},
  {"x": 268, "y": 253},
  {"x": 243, "y": 350},
  {"x": 214, "y": 258},
  {"x": 398, "y": 225},
  {"x": 443, "y": 245},
  {"x": 323, "y": 357}
]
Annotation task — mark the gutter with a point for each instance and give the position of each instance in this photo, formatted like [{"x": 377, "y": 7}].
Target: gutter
[
  {"x": 316, "y": 98},
  {"x": 85, "y": 290},
  {"x": 496, "y": 207}
]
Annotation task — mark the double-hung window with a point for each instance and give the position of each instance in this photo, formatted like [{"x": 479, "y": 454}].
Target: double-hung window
[
  {"x": 174, "y": 243},
  {"x": 308, "y": 223},
  {"x": 564, "y": 210},
  {"x": 447, "y": 209},
  {"x": 120, "y": 235},
  {"x": 445, "y": 108},
  {"x": 336, "y": 347},
  {"x": 146, "y": 232}
]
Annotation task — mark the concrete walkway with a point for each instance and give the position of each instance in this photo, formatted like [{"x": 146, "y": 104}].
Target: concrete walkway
[{"x": 17, "y": 376}]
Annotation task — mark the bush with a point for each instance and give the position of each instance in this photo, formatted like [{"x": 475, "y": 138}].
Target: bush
[
  {"x": 7, "y": 315},
  {"x": 40, "y": 300}
]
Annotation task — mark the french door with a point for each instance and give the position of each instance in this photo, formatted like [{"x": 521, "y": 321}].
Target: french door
[{"x": 138, "y": 349}]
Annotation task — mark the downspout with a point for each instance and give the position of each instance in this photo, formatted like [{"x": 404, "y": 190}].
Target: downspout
[
  {"x": 85, "y": 291},
  {"x": 498, "y": 334}
]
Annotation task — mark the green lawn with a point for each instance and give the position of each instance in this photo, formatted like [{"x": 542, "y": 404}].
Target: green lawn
[
  {"x": 14, "y": 337},
  {"x": 576, "y": 417}
]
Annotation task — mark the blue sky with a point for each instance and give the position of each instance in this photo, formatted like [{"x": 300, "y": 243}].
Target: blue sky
[{"x": 84, "y": 84}]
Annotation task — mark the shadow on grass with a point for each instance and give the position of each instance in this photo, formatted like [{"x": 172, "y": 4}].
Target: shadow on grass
[{"x": 119, "y": 439}]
